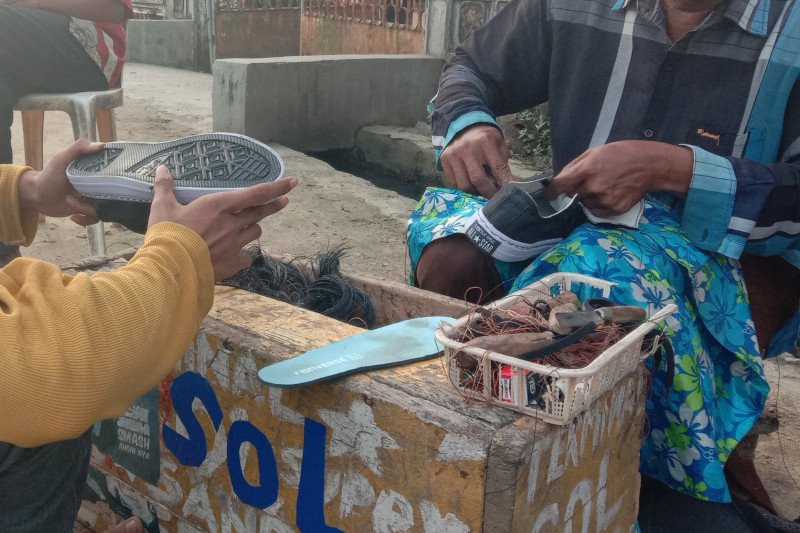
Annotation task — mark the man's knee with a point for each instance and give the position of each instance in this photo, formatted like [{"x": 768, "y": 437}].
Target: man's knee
[{"x": 453, "y": 266}]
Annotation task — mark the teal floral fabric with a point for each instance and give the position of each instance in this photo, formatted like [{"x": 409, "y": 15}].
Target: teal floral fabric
[{"x": 719, "y": 387}]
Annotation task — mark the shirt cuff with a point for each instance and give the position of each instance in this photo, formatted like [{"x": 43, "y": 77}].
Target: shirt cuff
[
  {"x": 709, "y": 205},
  {"x": 457, "y": 126},
  {"x": 16, "y": 227}
]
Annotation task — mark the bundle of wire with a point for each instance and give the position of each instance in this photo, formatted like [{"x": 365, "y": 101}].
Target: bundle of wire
[{"x": 313, "y": 283}]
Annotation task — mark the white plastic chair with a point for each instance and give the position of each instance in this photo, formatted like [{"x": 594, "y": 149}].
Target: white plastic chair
[{"x": 92, "y": 115}]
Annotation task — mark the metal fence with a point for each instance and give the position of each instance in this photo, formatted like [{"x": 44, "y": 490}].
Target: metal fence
[
  {"x": 400, "y": 14},
  {"x": 256, "y": 5}
]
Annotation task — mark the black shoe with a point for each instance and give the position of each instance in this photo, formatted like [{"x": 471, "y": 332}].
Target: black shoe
[
  {"x": 200, "y": 164},
  {"x": 519, "y": 223}
]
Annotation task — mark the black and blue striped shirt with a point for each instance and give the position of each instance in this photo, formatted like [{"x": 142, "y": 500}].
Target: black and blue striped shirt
[{"x": 728, "y": 89}]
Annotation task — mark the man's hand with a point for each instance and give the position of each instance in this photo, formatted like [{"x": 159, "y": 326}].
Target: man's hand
[
  {"x": 227, "y": 221},
  {"x": 50, "y": 193},
  {"x": 463, "y": 160},
  {"x": 610, "y": 179}
]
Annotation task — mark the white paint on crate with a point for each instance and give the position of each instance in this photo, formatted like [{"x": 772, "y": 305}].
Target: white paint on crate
[
  {"x": 333, "y": 484},
  {"x": 220, "y": 363},
  {"x": 460, "y": 448},
  {"x": 216, "y": 457},
  {"x": 133, "y": 499},
  {"x": 197, "y": 505},
  {"x": 356, "y": 492},
  {"x": 231, "y": 521},
  {"x": 356, "y": 434},
  {"x": 280, "y": 411},
  {"x": 393, "y": 513},
  {"x": 568, "y": 446},
  {"x": 245, "y": 378},
  {"x": 549, "y": 515},
  {"x": 292, "y": 459},
  {"x": 434, "y": 522},
  {"x": 273, "y": 524},
  {"x": 583, "y": 493},
  {"x": 172, "y": 493},
  {"x": 605, "y": 516}
]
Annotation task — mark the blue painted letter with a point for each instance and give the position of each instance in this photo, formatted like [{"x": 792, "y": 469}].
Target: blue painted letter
[
  {"x": 265, "y": 494},
  {"x": 184, "y": 389},
  {"x": 311, "y": 493}
]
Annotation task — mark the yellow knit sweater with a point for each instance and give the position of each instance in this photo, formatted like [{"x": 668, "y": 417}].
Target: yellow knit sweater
[{"x": 74, "y": 350}]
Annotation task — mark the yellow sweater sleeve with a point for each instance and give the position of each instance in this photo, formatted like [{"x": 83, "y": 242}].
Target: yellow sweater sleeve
[
  {"x": 74, "y": 350},
  {"x": 15, "y": 227}
]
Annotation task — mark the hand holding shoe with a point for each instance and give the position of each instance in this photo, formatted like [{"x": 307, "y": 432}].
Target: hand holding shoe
[
  {"x": 464, "y": 158},
  {"x": 226, "y": 221},
  {"x": 612, "y": 178},
  {"x": 50, "y": 193}
]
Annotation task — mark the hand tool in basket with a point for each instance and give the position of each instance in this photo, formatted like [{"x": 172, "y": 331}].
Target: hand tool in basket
[
  {"x": 602, "y": 311},
  {"x": 595, "y": 311}
]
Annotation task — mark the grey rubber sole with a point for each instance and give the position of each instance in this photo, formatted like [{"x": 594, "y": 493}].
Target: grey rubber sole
[{"x": 200, "y": 164}]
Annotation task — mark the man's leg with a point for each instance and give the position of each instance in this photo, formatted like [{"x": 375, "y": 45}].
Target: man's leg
[
  {"x": 37, "y": 54},
  {"x": 41, "y": 487},
  {"x": 773, "y": 286},
  {"x": 7, "y": 99},
  {"x": 453, "y": 266}
]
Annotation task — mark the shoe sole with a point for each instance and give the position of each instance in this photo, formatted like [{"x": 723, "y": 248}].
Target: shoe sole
[{"x": 200, "y": 165}]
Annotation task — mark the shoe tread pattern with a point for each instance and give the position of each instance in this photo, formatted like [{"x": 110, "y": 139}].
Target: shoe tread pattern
[
  {"x": 97, "y": 161},
  {"x": 211, "y": 163}
]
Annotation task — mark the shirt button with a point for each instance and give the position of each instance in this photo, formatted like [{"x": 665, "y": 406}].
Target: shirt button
[
  {"x": 648, "y": 133},
  {"x": 668, "y": 67}
]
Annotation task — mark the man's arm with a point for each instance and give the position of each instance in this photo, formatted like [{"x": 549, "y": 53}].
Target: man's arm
[
  {"x": 502, "y": 68},
  {"x": 731, "y": 205},
  {"x": 116, "y": 11},
  {"x": 757, "y": 209}
]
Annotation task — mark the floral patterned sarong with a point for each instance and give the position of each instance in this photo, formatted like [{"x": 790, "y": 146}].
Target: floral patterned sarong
[{"x": 719, "y": 387}]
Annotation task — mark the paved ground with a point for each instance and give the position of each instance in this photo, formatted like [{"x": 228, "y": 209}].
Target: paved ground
[{"x": 330, "y": 208}]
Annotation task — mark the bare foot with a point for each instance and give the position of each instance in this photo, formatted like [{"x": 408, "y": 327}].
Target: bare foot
[{"x": 131, "y": 525}]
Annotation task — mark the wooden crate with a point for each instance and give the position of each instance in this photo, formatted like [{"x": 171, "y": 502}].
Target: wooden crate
[{"x": 212, "y": 449}]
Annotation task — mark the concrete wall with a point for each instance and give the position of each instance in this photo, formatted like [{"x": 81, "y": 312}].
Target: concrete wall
[
  {"x": 320, "y": 102},
  {"x": 437, "y": 34},
  {"x": 320, "y": 36},
  {"x": 170, "y": 43},
  {"x": 262, "y": 33}
]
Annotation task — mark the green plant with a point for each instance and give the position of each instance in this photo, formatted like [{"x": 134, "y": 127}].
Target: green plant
[{"x": 533, "y": 142}]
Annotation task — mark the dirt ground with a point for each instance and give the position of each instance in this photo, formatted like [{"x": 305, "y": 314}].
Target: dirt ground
[
  {"x": 330, "y": 208},
  {"x": 327, "y": 208},
  {"x": 778, "y": 453}
]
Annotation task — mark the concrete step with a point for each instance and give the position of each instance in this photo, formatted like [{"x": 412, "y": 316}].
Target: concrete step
[{"x": 407, "y": 152}]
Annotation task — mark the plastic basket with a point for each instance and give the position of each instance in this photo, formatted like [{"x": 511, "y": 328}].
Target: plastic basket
[{"x": 553, "y": 394}]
